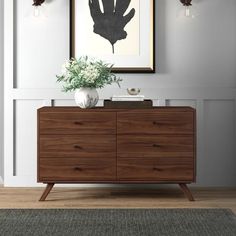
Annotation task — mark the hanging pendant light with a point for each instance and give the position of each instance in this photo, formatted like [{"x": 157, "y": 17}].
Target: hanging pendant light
[
  {"x": 38, "y": 9},
  {"x": 187, "y": 10}
]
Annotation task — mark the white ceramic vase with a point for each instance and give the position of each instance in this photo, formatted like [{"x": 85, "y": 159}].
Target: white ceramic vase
[{"x": 86, "y": 97}]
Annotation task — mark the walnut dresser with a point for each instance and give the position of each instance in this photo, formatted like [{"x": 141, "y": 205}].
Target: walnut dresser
[{"x": 156, "y": 145}]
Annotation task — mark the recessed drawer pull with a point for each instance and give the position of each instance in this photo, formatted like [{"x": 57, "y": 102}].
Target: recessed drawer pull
[
  {"x": 77, "y": 168},
  {"x": 155, "y": 123},
  {"x": 156, "y": 145},
  {"x": 156, "y": 169},
  {"x": 77, "y": 147},
  {"x": 78, "y": 123}
]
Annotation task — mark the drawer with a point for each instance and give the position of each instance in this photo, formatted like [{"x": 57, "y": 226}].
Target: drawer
[
  {"x": 166, "y": 169},
  {"x": 77, "y": 146},
  {"x": 75, "y": 170},
  {"x": 155, "y": 122},
  {"x": 155, "y": 145},
  {"x": 77, "y": 122}
]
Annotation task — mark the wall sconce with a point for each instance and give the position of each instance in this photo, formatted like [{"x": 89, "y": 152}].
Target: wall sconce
[
  {"x": 188, "y": 9},
  {"x": 38, "y": 9}
]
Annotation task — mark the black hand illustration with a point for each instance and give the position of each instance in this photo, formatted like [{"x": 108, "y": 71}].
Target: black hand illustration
[
  {"x": 38, "y": 2},
  {"x": 110, "y": 24}
]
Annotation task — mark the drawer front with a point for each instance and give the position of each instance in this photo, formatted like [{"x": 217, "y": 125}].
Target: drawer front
[
  {"x": 75, "y": 170},
  {"x": 65, "y": 146},
  {"x": 155, "y": 122},
  {"x": 155, "y": 146},
  {"x": 77, "y": 123},
  {"x": 167, "y": 169}
]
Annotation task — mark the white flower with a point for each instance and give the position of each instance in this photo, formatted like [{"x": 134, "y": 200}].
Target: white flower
[
  {"x": 64, "y": 67},
  {"x": 84, "y": 72},
  {"x": 90, "y": 73}
]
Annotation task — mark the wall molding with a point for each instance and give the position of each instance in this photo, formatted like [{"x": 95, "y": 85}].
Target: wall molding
[
  {"x": 8, "y": 85},
  {"x": 193, "y": 93},
  {"x": 161, "y": 96},
  {"x": 1, "y": 85}
]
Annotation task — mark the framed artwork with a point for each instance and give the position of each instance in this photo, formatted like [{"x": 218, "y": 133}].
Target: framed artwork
[{"x": 120, "y": 32}]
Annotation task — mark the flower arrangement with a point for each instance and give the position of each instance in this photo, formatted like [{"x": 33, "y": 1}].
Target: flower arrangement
[{"x": 86, "y": 73}]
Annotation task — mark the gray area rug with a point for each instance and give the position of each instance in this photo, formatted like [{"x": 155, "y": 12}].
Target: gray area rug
[{"x": 122, "y": 222}]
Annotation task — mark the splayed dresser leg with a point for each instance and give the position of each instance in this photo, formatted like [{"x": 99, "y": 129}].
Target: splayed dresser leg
[
  {"x": 46, "y": 191},
  {"x": 186, "y": 191}
]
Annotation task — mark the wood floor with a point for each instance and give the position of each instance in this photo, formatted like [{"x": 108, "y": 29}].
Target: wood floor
[{"x": 117, "y": 198}]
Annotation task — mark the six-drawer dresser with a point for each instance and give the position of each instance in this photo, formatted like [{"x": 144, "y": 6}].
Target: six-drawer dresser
[{"x": 155, "y": 145}]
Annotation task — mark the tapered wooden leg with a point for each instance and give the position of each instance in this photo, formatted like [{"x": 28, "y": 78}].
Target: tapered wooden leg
[
  {"x": 186, "y": 191},
  {"x": 46, "y": 191}
]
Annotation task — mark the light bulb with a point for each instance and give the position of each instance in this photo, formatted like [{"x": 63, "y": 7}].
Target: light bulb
[
  {"x": 186, "y": 12},
  {"x": 39, "y": 11},
  {"x": 36, "y": 12}
]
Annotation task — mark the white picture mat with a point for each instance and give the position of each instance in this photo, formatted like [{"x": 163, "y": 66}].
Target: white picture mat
[
  {"x": 141, "y": 59},
  {"x": 94, "y": 44}
]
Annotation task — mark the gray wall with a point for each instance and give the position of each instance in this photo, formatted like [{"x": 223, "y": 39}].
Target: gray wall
[
  {"x": 1, "y": 89},
  {"x": 193, "y": 57}
]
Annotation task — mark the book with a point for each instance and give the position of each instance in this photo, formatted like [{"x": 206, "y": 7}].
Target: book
[{"x": 127, "y": 98}]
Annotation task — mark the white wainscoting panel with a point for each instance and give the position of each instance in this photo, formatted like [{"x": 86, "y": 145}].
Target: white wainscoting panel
[
  {"x": 1, "y": 88},
  {"x": 219, "y": 146},
  {"x": 25, "y": 159},
  {"x": 183, "y": 102},
  {"x": 62, "y": 102},
  {"x": 70, "y": 102},
  {"x": 37, "y": 67},
  {"x": 28, "y": 85}
]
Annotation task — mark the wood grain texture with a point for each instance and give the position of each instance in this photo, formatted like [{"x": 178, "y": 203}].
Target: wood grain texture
[
  {"x": 128, "y": 196},
  {"x": 46, "y": 191},
  {"x": 77, "y": 169},
  {"x": 146, "y": 104},
  {"x": 186, "y": 191},
  {"x": 155, "y": 122},
  {"x": 155, "y": 145},
  {"x": 64, "y": 146},
  {"x": 77, "y": 123},
  {"x": 167, "y": 169}
]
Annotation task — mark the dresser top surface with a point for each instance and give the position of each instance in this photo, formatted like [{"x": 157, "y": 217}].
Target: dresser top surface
[{"x": 103, "y": 109}]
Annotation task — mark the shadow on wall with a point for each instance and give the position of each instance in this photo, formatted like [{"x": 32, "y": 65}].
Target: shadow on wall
[
  {"x": 48, "y": 1},
  {"x": 199, "y": 1},
  {"x": 161, "y": 60}
]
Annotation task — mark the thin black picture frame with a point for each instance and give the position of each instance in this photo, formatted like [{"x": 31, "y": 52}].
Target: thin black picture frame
[{"x": 151, "y": 69}]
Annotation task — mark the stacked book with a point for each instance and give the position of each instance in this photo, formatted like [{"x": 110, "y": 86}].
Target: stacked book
[{"x": 127, "y": 98}]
